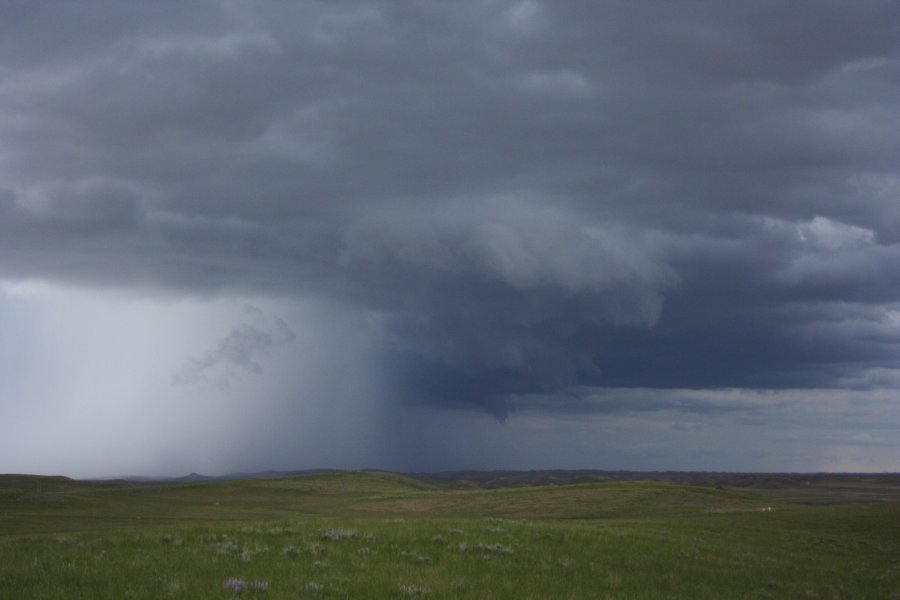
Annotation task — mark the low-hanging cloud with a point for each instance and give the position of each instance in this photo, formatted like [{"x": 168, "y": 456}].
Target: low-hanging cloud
[{"x": 242, "y": 349}]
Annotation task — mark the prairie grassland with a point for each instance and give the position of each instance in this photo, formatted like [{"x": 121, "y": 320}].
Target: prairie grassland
[{"x": 368, "y": 535}]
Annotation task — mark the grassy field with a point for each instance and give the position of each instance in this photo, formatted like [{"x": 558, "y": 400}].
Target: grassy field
[{"x": 378, "y": 535}]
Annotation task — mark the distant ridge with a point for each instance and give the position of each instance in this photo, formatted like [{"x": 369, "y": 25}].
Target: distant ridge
[
  {"x": 199, "y": 478},
  {"x": 802, "y": 488},
  {"x": 747, "y": 481},
  {"x": 473, "y": 479}
]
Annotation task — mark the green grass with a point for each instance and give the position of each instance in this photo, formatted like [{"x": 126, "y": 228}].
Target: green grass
[{"x": 374, "y": 535}]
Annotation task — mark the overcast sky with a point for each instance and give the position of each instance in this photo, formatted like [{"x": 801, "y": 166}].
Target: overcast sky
[{"x": 445, "y": 235}]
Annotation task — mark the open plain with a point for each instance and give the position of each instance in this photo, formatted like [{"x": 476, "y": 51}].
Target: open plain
[{"x": 382, "y": 535}]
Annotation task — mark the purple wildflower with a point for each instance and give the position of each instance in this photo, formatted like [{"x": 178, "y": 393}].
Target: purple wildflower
[
  {"x": 237, "y": 585},
  {"x": 234, "y": 584}
]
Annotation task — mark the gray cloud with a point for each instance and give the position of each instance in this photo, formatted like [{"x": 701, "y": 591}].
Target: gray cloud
[
  {"x": 242, "y": 349},
  {"x": 529, "y": 197}
]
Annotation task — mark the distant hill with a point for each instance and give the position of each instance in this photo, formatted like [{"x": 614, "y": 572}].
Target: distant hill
[
  {"x": 808, "y": 488},
  {"x": 197, "y": 477}
]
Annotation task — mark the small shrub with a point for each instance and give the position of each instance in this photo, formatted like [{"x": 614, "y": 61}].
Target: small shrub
[
  {"x": 412, "y": 591},
  {"x": 229, "y": 547},
  {"x": 495, "y": 548},
  {"x": 339, "y": 534},
  {"x": 314, "y": 588}
]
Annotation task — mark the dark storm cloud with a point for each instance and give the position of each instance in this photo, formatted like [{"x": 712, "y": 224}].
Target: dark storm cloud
[{"x": 537, "y": 197}]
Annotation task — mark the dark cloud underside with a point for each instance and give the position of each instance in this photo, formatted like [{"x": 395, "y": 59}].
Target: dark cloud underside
[{"x": 536, "y": 198}]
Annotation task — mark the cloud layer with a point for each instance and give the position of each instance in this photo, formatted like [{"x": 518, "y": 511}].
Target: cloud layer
[{"x": 517, "y": 200}]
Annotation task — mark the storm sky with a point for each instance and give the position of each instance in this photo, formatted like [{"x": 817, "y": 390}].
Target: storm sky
[{"x": 447, "y": 235}]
